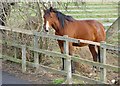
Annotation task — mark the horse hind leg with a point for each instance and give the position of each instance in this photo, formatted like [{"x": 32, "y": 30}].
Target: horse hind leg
[
  {"x": 96, "y": 56},
  {"x": 93, "y": 52},
  {"x": 99, "y": 53}
]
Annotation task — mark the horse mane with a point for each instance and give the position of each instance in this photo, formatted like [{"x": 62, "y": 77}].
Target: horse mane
[{"x": 62, "y": 17}]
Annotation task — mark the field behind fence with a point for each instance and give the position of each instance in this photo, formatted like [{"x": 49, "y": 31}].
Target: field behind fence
[{"x": 104, "y": 12}]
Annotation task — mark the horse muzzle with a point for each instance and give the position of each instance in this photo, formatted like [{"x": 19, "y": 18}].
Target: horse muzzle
[{"x": 46, "y": 30}]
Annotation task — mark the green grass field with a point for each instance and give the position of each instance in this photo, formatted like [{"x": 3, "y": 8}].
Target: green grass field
[{"x": 93, "y": 10}]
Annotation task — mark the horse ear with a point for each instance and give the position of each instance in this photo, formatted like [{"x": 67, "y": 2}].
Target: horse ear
[
  {"x": 44, "y": 10},
  {"x": 51, "y": 9}
]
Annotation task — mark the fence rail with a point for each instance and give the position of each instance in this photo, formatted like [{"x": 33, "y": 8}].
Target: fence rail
[
  {"x": 36, "y": 64},
  {"x": 58, "y": 54},
  {"x": 101, "y": 10},
  {"x": 53, "y": 70},
  {"x": 56, "y": 37},
  {"x": 93, "y": 6}
]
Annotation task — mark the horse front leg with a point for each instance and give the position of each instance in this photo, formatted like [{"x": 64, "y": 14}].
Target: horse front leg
[
  {"x": 71, "y": 50},
  {"x": 60, "y": 43}
]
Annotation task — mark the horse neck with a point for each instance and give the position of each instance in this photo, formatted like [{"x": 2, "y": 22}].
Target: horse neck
[{"x": 57, "y": 27}]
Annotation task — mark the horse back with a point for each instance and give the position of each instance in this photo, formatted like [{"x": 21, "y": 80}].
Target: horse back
[{"x": 87, "y": 30}]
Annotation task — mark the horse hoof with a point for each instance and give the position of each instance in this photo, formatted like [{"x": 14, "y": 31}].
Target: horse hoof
[
  {"x": 94, "y": 68},
  {"x": 73, "y": 70},
  {"x": 61, "y": 68}
]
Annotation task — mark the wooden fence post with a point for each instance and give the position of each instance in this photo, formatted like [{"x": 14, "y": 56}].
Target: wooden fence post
[
  {"x": 68, "y": 62},
  {"x": 36, "y": 59},
  {"x": 103, "y": 60},
  {"x": 23, "y": 58},
  {"x": 15, "y": 42}
]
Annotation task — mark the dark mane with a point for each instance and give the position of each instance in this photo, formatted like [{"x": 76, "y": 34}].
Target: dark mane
[{"x": 62, "y": 17}]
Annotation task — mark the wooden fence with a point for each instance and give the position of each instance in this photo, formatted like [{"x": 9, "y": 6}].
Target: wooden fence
[{"x": 103, "y": 66}]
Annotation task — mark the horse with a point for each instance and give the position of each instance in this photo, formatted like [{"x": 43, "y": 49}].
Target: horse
[{"x": 80, "y": 29}]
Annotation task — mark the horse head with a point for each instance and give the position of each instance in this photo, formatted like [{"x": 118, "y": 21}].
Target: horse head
[
  {"x": 49, "y": 18},
  {"x": 55, "y": 19}
]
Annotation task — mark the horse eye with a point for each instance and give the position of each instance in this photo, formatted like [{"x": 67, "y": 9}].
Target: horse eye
[
  {"x": 43, "y": 16},
  {"x": 50, "y": 16}
]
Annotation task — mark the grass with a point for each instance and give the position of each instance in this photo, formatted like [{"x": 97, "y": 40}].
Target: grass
[
  {"x": 112, "y": 12},
  {"x": 62, "y": 80},
  {"x": 58, "y": 81}
]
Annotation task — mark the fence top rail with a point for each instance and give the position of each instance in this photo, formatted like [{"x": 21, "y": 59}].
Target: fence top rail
[
  {"x": 95, "y": 6},
  {"x": 100, "y": 10},
  {"x": 18, "y": 30},
  {"x": 56, "y": 37},
  {"x": 96, "y": 14},
  {"x": 67, "y": 39},
  {"x": 98, "y": 18}
]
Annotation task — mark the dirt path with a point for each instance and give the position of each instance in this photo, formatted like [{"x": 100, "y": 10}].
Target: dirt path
[
  {"x": 43, "y": 77},
  {"x": 31, "y": 77},
  {"x": 11, "y": 79}
]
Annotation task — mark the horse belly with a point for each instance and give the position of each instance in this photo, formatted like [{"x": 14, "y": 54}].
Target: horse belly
[{"x": 79, "y": 44}]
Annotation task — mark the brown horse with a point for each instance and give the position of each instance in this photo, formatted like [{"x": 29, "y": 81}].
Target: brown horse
[{"x": 80, "y": 29}]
